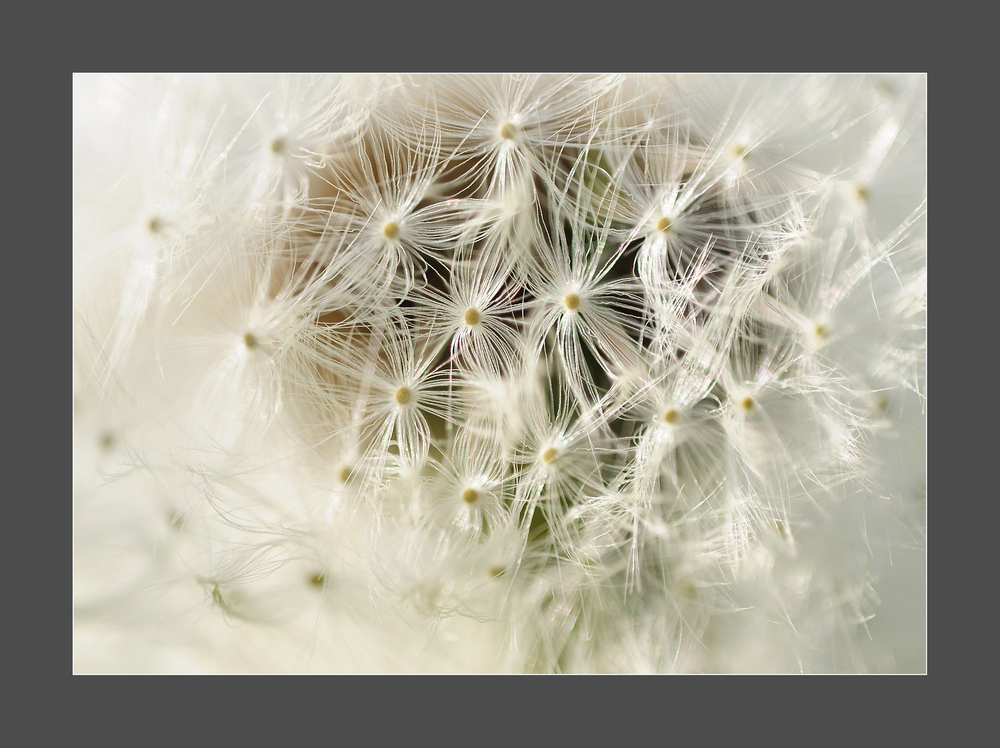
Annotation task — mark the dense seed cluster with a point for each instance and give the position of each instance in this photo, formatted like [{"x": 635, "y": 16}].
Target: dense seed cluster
[{"x": 543, "y": 373}]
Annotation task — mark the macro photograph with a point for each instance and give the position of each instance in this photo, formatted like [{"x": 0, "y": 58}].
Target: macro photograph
[{"x": 552, "y": 373}]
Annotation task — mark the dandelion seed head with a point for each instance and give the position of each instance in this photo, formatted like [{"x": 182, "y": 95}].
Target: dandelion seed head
[{"x": 557, "y": 361}]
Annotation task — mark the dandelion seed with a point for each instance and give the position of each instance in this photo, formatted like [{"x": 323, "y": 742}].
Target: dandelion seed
[
  {"x": 317, "y": 579},
  {"x": 391, "y": 230},
  {"x": 818, "y": 334}
]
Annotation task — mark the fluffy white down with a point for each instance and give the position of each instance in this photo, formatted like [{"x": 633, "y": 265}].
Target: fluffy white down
[{"x": 472, "y": 374}]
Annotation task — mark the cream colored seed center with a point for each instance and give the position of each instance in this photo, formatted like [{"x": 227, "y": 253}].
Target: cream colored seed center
[
  {"x": 508, "y": 130},
  {"x": 250, "y": 340},
  {"x": 470, "y": 495},
  {"x": 550, "y": 455},
  {"x": 747, "y": 403},
  {"x": 671, "y": 416},
  {"x": 391, "y": 230},
  {"x": 472, "y": 317},
  {"x": 403, "y": 395},
  {"x": 572, "y": 301},
  {"x": 664, "y": 225}
]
